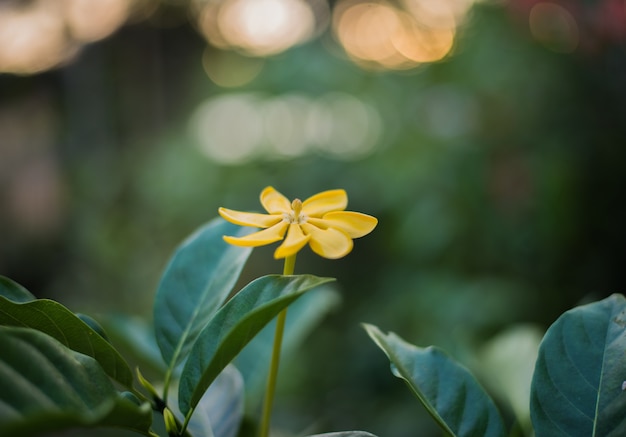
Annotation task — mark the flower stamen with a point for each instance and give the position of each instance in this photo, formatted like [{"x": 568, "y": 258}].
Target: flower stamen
[
  {"x": 295, "y": 216},
  {"x": 296, "y": 206}
]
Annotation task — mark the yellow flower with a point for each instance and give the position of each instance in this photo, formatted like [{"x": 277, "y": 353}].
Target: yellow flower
[{"x": 319, "y": 221}]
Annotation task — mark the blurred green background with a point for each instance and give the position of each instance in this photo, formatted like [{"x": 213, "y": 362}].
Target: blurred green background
[{"x": 487, "y": 137}]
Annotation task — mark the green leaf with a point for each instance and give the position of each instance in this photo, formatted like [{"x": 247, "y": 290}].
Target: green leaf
[
  {"x": 220, "y": 411},
  {"x": 305, "y": 315},
  {"x": 196, "y": 282},
  {"x": 577, "y": 384},
  {"x": 14, "y": 291},
  {"x": 127, "y": 414},
  {"x": 233, "y": 326},
  {"x": 447, "y": 390},
  {"x": 57, "y": 321},
  {"x": 223, "y": 403},
  {"x": 45, "y": 386},
  {"x": 93, "y": 324}
]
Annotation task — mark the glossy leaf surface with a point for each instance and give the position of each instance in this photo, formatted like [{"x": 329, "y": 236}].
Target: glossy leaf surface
[
  {"x": 14, "y": 291},
  {"x": 304, "y": 316},
  {"x": 196, "y": 282},
  {"x": 233, "y": 326},
  {"x": 223, "y": 403},
  {"x": 577, "y": 384},
  {"x": 449, "y": 392},
  {"x": 46, "y": 386},
  {"x": 220, "y": 411},
  {"x": 57, "y": 321}
]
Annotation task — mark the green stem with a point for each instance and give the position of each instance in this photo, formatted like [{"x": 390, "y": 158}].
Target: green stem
[
  {"x": 288, "y": 269},
  {"x": 166, "y": 384},
  {"x": 183, "y": 429}
]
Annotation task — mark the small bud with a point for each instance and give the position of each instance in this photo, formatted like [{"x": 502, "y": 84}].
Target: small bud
[
  {"x": 158, "y": 402},
  {"x": 171, "y": 425},
  {"x": 146, "y": 384}
]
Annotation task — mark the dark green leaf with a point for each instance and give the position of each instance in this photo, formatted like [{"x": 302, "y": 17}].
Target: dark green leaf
[
  {"x": 577, "y": 384},
  {"x": 220, "y": 411},
  {"x": 14, "y": 291},
  {"x": 45, "y": 386},
  {"x": 126, "y": 413},
  {"x": 223, "y": 403},
  {"x": 60, "y": 323},
  {"x": 93, "y": 324},
  {"x": 233, "y": 326},
  {"x": 196, "y": 282},
  {"x": 449, "y": 392},
  {"x": 305, "y": 315}
]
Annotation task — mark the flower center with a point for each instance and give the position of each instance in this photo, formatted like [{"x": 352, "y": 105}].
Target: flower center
[{"x": 295, "y": 216}]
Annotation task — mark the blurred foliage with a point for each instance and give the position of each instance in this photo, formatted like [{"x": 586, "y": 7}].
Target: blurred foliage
[{"x": 497, "y": 181}]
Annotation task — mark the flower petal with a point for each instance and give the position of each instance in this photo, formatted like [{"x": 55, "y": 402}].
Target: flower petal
[
  {"x": 274, "y": 202},
  {"x": 329, "y": 243},
  {"x": 355, "y": 224},
  {"x": 261, "y": 238},
  {"x": 326, "y": 201},
  {"x": 295, "y": 241},
  {"x": 249, "y": 218}
]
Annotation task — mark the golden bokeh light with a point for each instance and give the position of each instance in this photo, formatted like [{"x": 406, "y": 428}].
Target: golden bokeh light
[
  {"x": 92, "y": 20},
  {"x": 444, "y": 14},
  {"x": 257, "y": 27},
  {"x": 400, "y": 35},
  {"x": 41, "y": 34},
  {"x": 554, "y": 26},
  {"x": 32, "y": 37},
  {"x": 384, "y": 34},
  {"x": 207, "y": 19},
  {"x": 436, "y": 15},
  {"x": 365, "y": 31},
  {"x": 420, "y": 44}
]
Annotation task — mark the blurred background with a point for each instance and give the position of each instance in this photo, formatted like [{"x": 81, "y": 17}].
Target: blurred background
[{"x": 488, "y": 137}]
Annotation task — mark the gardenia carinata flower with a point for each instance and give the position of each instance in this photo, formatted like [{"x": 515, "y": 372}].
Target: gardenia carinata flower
[{"x": 321, "y": 221}]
